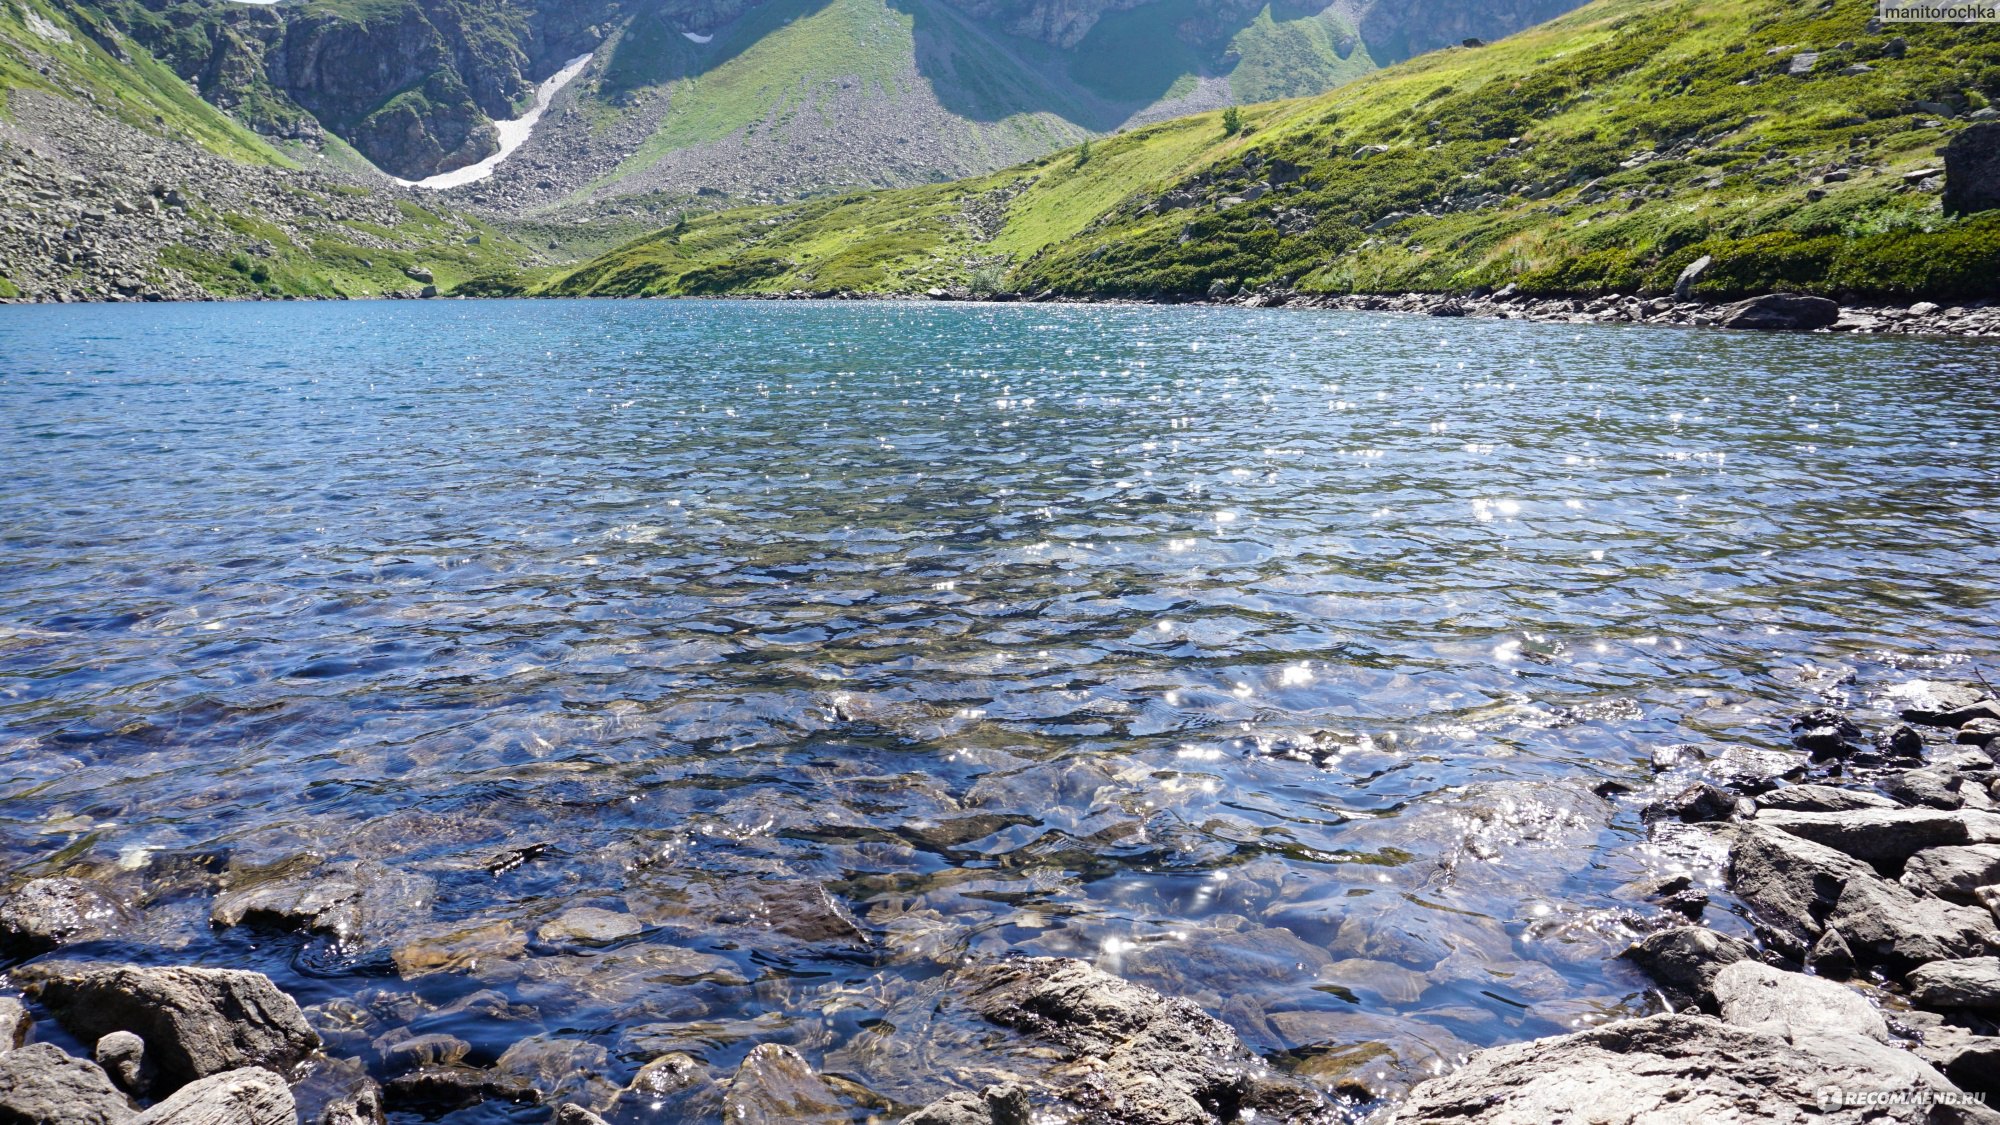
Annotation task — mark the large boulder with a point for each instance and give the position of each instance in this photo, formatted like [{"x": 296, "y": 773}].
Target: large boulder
[
  {"x": 40, "y": 1084},
  {"x": 1675, "y": 1069},
  {"x": 249, "y": 1096},
  {"x": 1799, "y": 889},
  {"x": 1753, "y": 994},
  {"x": 1780, "y": 312},
  {"x": 195, "y": 1022},
  {"x": 46, "y": 913},
  {"x": 1972, "y": 170}
]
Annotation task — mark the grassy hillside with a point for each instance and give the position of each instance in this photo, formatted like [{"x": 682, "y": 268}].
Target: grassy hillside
[
  {"x": 152, "y": 185},
  {"x": 1603, "y": 151}
]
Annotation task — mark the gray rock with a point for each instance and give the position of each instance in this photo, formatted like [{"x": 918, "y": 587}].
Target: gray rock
[
  {"x": 1930, "y": 788},
  {"x": 47, "y": 913},
  {"x": 1826, "y": 733},
  {"x": 1696, "y": 803},
  {"x": 1671, "y": 1069},
  {"x": 588, "y": 925},
  {"x": 1938, "y": 703},
  {"x": 123, "y": 1057},
  {"x": 1822, "y": 798},
  {"x": 15, "y": 1023},
  {"x": 1685, "y": 283},
  {"x": 249, "y": 1096},
  {"x": 1886, "y": 836},
  {"x": 1972, "y": 170},
  {"x": 674, "y": 1086},
  {"x": 775, "y": 1084},
  {"x": 1127, "y": 1053},
  {"x": 1802, "y": 64},
  {"x": 419, "y": 274},
  {"x": 995, "y": 1105},
  {"x": 1972, "y": 983},
  {"x": 362, "y": 1107},
  {"x": 1780, "y": 312},
  {"x": 1830, "y": 956},
  {"x": 1798, "y": 889},
  {"x": 196, "y": 1022},
  {"x": 569, "y": 1113},
  {"x": 1755, "y": 995},
  {"x": 1979, "y": 732},
  {"x": 1953, "y": 873},
  {"x": 1684, "y": 961},
  {"x": 42, "y": 1085}
]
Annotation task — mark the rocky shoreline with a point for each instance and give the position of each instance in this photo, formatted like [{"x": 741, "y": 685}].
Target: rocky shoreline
[{"x": 1869, "y": 863}]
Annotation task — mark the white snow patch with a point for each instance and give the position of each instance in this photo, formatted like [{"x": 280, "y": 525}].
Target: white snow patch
[
  {"x": 513, "y": 134},
  {"x": 697, "y": 37}
]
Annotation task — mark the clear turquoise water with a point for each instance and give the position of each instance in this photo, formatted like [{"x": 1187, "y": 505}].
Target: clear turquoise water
[{"x": 1268, "y": 658}]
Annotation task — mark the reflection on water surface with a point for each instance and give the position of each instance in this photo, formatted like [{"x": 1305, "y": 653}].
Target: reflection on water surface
[{"x": 682, "y": 677}]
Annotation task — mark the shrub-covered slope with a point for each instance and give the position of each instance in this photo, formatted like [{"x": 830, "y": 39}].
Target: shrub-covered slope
[{"x": 1603, "y": 151}]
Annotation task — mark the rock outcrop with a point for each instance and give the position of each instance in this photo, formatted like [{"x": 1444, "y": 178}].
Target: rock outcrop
[
  {"x": 1972, "y": 170},
  {"x": 195, "y": 1022},
  {"x": 41, "y": 1085}
]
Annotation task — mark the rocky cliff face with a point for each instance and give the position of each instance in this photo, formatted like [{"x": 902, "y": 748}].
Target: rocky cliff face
[{"x": 415, "y": 85}]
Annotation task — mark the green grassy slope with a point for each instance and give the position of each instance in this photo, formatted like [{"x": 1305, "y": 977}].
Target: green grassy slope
[
  {"x": 307, "y": 251},
  {"x": 65, "y": 50},
  {"x": 1602, "y": 151}
]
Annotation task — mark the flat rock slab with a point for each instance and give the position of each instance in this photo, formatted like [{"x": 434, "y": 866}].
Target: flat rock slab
[
  {"x": 249, "y": 1096},
  {"x": 1940, "y": 703},
  {"x": 355, "y": 902},
  {"x": 1780, "y": 312},
  {"x": 1753, "y": 994},
  {"x": 1953, "y": 873},
  {"x": 1672, "y": 1069},
  {"x": 196, "y": 1022},
  {"x": 1972, "y": 983},
  {"x": 1822, "y": 798},
  {"x": 1886, "y": 836},
  {"x": 40, "y": 1084}
]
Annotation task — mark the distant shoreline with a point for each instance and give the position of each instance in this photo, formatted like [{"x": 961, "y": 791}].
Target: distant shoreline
[{"x": 1972, "y": 319}]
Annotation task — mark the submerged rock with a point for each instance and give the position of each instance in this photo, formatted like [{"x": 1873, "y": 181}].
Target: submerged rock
[
  {"x": 250, "y": 1096},
  {"x": 589, "y": 925},
  {"x": 195, "y": 1022},
  {"x": 441, "y": 1089},
  {"x": 355, "y": 902},
  {"x": 40, "y": 1084},
  {"x": 47, "y": 913},
  {"x": 1674, "y": 1069},
  {"x": 776, "y": 1084}
]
